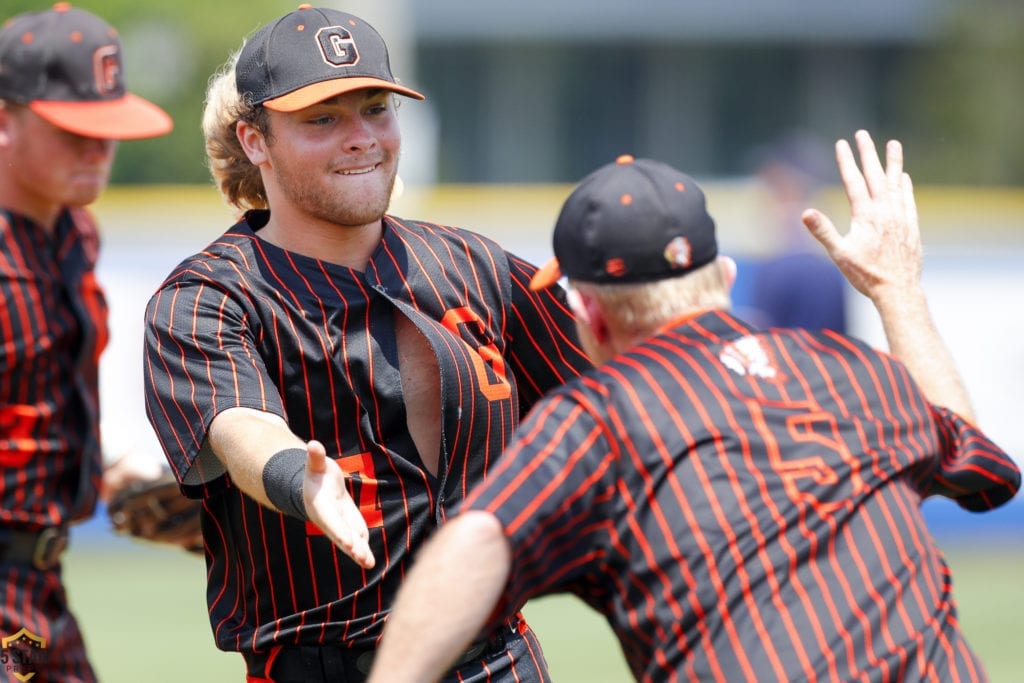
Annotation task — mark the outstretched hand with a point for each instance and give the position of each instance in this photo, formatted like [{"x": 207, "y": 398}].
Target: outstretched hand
[
  {"x": 331, "y": 508},
  {"x": 881, "y": 253}
]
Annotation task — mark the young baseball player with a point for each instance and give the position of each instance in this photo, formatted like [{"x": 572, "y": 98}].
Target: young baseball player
[
  {"x": 330, "y": 379},
  {"x": 63, "y": 107},
  {"x": 741, "y": 504}
]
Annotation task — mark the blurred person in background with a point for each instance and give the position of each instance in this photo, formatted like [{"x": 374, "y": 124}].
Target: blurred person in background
[
  {"x": 63, "y": 107},
  {"x": 796, "y": 285},
  {"x": 329, "y": 378},
  {"x": 741, "y": 505}
]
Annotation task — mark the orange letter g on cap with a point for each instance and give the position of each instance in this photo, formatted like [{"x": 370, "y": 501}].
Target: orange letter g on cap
[{"x": 107, "y": 69}]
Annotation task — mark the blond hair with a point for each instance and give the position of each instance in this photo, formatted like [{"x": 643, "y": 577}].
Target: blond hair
[
  {"x": 238, "y": 180},
  {"x": 638, "y": 310}
]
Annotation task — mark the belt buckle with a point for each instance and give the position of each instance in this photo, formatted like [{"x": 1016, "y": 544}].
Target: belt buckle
[
  {"x": 476, "y": 651},
  {"x": 364, "y": 662},
  {"x": 51, "y": 543}
]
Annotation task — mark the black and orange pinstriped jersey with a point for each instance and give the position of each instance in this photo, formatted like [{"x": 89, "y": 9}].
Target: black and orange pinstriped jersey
[
  {"x": 53, "y": 327},
  {"x": 745, "y": 506},
  {"x": 247, "y": 324}
]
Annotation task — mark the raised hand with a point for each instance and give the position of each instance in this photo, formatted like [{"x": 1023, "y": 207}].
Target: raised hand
[
  {"x": 881, "y": 257},
  {"x": 881, "y": 253}
]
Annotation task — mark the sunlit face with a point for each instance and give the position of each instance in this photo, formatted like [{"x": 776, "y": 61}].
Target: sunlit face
[
  {"x": 46, "y": 168},
  {"x": 335, "y": 161}
]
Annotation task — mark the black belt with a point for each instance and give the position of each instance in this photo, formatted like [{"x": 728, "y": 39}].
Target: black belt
[
  {"x": 341, "y": 664},
  {"x": 39, "y": 549}
]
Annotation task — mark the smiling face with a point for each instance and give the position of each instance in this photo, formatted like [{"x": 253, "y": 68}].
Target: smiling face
[
  {"x": 335, "y": 161},
  {"x": 44, "y": 168}
]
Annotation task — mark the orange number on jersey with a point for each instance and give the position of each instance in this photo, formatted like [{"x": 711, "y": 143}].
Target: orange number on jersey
[
  {"x": 482, "y": 356},
  {"x": 361, "y": 465},
  {"x": 16, "y": 441},
  {"x": 818, "y": 428}
]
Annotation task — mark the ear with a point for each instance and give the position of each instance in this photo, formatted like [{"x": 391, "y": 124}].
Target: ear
[
  {"x": 589, "y": 314},
  {"x": 729, "y": 269},
  {"x": 253, "y": 143}
]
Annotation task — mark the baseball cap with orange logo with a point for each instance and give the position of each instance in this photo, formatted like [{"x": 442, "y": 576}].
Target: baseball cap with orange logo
[
  {"x": 631, "y": 221},
  {"x": 65, "y": 65},
  {"x": 312, "y": 54}
]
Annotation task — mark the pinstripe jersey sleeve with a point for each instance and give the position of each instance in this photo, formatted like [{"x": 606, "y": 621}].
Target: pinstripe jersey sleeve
[
  {"x": 972, "y": 470},
  {"x": 200, "y": 359},
  {"x": 556, "y": 492}
]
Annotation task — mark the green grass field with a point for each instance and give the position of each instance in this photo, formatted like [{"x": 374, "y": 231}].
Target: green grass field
[{"x": 144, "y": 616}]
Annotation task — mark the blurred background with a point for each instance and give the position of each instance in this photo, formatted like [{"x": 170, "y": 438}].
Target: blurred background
[
  {"x": 524, "y": 99},
  {"x": 542, "y": 91}
]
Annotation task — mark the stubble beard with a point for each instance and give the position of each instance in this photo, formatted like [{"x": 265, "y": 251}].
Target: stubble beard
[{"x": 354, "y": 207}]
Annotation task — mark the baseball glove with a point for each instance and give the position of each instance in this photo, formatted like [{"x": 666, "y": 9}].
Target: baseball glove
[{"x": 155, "y": 510}]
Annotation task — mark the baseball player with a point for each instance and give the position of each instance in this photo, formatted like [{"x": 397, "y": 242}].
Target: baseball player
[
  {"x": 740, "y": 504},
  {"x": 796, "y": 284},
  {"x": 329, "y": 379},
  {"x": 63, "y": 106}
]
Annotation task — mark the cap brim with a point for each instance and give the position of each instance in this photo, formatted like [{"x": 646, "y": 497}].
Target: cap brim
[
  {"x": 126, "y": 118},
  {"x": 318, "y": 92},
  {"x": 548, "y": 274}
]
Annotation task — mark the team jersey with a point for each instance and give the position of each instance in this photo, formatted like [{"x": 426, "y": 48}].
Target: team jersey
[
  {"x": 246, "y": 324},
  {"x": 53, "y": 327},
  {"x": 745, "y": 505}
]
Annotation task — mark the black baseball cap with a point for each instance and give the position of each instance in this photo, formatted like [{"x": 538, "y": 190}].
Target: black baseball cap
[
  {"x": 65, "y": 65},
  {"x": 311, "y": 54},
  {"x": 631, "y": 221}
]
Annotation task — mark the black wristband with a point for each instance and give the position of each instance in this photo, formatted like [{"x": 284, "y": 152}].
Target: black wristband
[{"x": 282, "y": 480}]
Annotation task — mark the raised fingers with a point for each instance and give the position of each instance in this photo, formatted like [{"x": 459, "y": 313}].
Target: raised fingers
[
  {"x": 822, "y": 228},
  {"x": 894, "y": 176},
  {"x": 894, "y": 163},
  {"x": 910, "y": 208},
  {"x": 874, "y": 174},
  {"x": 853, "y": 180}
]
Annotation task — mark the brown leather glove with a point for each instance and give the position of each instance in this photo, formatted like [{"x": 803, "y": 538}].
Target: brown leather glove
[{"x": 155, "y": 510}]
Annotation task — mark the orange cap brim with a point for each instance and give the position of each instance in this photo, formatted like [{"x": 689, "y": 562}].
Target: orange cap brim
[
  {"x": 318, "y": 92},
  {"x": 126, "y": 118},
  {"x": 547, "y": 275}
]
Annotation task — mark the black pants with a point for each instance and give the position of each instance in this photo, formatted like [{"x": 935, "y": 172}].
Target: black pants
[
  {"x": 509, "y": 655},
  {"x": 40, "y": 613}
]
